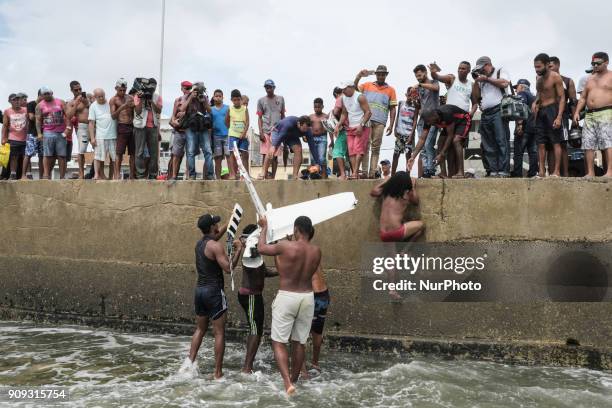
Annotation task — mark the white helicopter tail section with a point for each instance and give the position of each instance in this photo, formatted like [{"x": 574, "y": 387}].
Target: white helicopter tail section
[{"x": 280, "y": 220}]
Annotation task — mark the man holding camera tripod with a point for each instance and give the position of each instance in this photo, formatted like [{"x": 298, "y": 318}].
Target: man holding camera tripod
[
  {"x": 197, "y": 124},
  {"x": 147, "y": 107}
]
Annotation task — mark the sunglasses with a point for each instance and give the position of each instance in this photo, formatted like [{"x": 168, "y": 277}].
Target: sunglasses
[{"x": 596, "y": 63}]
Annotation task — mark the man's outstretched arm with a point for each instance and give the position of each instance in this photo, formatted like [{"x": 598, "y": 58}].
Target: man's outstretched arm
[{"x": 263, "y": 247}]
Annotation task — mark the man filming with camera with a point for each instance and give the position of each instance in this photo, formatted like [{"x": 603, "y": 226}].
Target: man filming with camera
[
  {"x": 197, "y": 123},
  {"x": 489, "y": 87},
  {"x": 147, "y": 108}
]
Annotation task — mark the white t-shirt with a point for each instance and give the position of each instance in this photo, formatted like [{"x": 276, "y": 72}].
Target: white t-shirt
[
  {"x": 460, "y": 94},
  {"x": 490, "y": 94},
  {"x": 106, "y": 127},
  {"x": 582, "y": 83}
]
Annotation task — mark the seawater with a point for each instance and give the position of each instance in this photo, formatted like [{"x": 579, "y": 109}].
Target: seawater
[{"x": 104, "y": 368}]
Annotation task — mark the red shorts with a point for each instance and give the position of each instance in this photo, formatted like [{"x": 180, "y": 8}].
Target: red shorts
[
  {"x": 357, "y": 144},
  {"x": 394, "y": 235},
  {"x": 267, "y": 148},
  {"x": 125, "y": 139}
]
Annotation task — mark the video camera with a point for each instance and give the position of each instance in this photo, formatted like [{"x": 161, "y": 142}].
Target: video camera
[
  {"x": 145, "y": 85},
  {"x": 477, "y": 72},
  {"x": 200, "y": 89}
]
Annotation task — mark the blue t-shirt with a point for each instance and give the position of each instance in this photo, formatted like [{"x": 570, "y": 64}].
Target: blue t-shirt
[
  {"x": 218, "y": 119},
  {"x": 288, "y": 128}
]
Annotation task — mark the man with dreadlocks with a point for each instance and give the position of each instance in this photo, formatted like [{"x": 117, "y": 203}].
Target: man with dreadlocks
[{"x": 397, "y": 192}]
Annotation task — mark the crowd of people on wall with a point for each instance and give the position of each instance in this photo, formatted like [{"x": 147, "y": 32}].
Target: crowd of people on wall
[{"x": 558, "y": 121}]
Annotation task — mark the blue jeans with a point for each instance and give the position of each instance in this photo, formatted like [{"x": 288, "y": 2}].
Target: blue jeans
[
  {"x": 318, "y": 150},
  {"x": 197, "y": 141},
  {"x": 429, "y": 150},
  {"x": 495, "y": 137}
]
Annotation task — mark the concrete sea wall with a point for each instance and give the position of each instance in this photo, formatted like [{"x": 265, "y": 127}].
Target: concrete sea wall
[{"x": 121, "y": 254}]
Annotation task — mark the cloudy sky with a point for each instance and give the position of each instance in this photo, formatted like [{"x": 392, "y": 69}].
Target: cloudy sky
[{"x": 306, "y": 47}]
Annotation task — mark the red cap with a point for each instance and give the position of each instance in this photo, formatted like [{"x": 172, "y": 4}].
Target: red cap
[{"x": 186, "y": 84}]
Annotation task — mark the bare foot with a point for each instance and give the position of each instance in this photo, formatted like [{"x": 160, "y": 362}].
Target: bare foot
[
  {"x": 246, "y": 371},
  {"x": 608, "y": 175},
  {"x": 290, "y": 390},
  {"x": 218, "y": 376}
]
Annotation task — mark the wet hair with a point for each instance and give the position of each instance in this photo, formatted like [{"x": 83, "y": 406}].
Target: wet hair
[
  {"x": 218, "y": 91},
  {"x": 249, "y": 229},
  {"x": 602, "y": 55},
  {"x": 236, "y": 94},
  {"x": 429, "y": 115},
  {"x": 73, "y": 84},
  {"x": 304, "y": 119},
  {"x": 554, "y": 60},
  {"x": 418, "y": 68},
  {"x": 466, "y": 63},
  {"x": 337, "y": 91},
  {"x": 304, "y": 225},
  {"x": 318, "y": 100},
  {"x": 397, "y": 185},
  {"x": 543, "y": 58}
]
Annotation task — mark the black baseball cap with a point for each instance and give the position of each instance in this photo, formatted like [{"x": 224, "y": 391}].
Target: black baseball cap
[
  {"x": 522, "y": 82},
  {"x": 206, "y": 221},
  {"x": 385, "y": 162}
]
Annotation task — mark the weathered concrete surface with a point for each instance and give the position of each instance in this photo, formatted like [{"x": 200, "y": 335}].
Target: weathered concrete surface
[{"x": 124, "y": 250}]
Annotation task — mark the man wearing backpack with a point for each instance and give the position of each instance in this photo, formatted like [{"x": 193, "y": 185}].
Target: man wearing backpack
[
  {"x": 490, "y": 87},
  {"x": 570, "y": 106}
]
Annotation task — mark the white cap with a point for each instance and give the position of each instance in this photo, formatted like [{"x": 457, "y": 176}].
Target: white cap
[
  {"x": 346, "y": 84},
  {"x": 471, "y": 171}
]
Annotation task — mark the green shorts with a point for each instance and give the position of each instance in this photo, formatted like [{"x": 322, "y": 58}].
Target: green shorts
[{"x": 340, "y": 147}]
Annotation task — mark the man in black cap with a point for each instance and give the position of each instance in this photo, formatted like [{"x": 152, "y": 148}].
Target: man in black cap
[
  {"x": 210, "y": 301},
  {"x": 524, "y": 134},
  {"x": 383, "y": 103},
  {"x": 385, "y": 166},
  {"x": 489, "y": 87}
]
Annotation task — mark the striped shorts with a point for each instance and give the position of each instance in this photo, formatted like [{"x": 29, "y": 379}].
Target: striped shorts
[{"x": 253, "y": 306}]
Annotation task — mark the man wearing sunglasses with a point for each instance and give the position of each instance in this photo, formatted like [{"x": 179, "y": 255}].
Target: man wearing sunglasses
[{"x": 597, "y": 97}]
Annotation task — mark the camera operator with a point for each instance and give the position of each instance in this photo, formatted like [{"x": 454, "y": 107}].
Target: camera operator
[
  {"x": 147, "y": 108},
  {"x": 490, "y": 86},
  {"x": 197, "y": 124}
]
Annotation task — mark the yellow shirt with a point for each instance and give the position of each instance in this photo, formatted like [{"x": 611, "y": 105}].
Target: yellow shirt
[{"x": 237, "y": 121}]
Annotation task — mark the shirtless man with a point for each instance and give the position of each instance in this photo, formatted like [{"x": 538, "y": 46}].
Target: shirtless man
[
  {"x": 548, "y": 110},
  {"x": 397, "y": 192},
  {"x": 597, "y": 97},
  {"x": 179, "y": 138},
  {"x": 251, "y": 299},
  {"x": 293, "y": 308},
  {"x": 122, "y": 110},
  {"x": 77, "y": 112},
  {"x": 317, "y": 143},
  {"x": 321, "y": 297}
]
